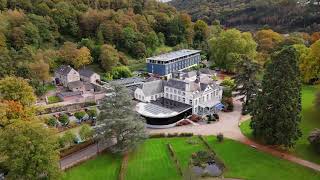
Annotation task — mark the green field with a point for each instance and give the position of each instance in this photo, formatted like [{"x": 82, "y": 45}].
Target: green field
[
  {"x": 152, "y": 161},
  {"x": 105, "y": 166},
  {"x": 245, "y": 162},
  {"x": 310, "y": 121}
]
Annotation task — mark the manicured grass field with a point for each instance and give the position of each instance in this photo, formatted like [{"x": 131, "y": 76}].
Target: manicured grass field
[
  {"x": 245, "y": 162},
  {"x": 184, "y": 147},
  {"x": 152, "y": 161},
  {"x": 105, "y": 166},
  {"x": 310, "y": 121}
]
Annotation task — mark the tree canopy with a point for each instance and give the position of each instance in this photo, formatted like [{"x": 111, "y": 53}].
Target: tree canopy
[
  {"x": 226, "y": 49},
  {"x": 276, "y": 113}
]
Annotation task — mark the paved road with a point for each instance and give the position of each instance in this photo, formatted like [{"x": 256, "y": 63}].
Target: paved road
[{"x": 229, "y": 126}]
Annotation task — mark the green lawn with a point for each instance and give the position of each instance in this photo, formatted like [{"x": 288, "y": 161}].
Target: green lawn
[
  {"x": 151, "y": 161},
  {"x": 310, "y": 121},
  {"x": 102, "y": 167},
  {"x": 53, "y": 99},
  {"x": 245, "y": 162},
  {"x": 184, "y": 150}
]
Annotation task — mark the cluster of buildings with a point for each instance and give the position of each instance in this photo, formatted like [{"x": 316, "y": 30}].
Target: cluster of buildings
[
  {"x": 171, "y": 94},
  {"x": 180, "y": 92},
  {"x": 77, "y": 84}
]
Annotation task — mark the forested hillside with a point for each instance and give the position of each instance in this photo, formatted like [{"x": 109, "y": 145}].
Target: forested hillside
[
  {"x": 281, "y": 15},
  {"x": 36, "y": 36}
]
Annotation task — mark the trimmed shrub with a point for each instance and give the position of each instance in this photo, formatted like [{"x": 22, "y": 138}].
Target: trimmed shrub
[
  {"x": 172, "y": 135},
  {"x": 186, "y": 134},
  {"x": 80, "y": 114},
  {"x": 220, "y": 137},
  {"x": 314, "y": 139},
  {"x": 64, "y": 119},
  {"x": 157, "y": 135},
  {"x": 52, "y": 121},
  {"x": 86, "y": 132},
  {"x": 92, "y": 112}
]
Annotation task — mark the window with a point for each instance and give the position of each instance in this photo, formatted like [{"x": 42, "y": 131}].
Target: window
[
  {"x": 175, "y": 91},
  {"x": 166, "y": 95},
  {"x": 190, "y": 101}
]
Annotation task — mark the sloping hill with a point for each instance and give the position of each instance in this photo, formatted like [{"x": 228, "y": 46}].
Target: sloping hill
[{"x": 279, "y": 14}]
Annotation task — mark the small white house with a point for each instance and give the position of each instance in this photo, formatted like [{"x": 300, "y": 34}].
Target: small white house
[
  {"x": 66, "y": 74},
  {"x": 89, "y": 76},
  {"x": 149, "y": 91}
]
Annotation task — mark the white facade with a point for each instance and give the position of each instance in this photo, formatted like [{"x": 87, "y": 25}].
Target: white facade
[
  {"x": 140, "y": 95},
  {"x": 200, "y": 92},
  {"x": 194, "y": 98}
]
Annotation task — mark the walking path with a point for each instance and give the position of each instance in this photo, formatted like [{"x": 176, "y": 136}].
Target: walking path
[
  {"x": 83, "y": 155},
  {"x": 229, "y": 126}
]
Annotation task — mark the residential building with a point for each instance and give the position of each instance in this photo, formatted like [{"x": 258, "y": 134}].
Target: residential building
[
  {"x": 89, "y": 76},
  {"x": 198, "y": 90},
  {"x": 66, "y": 74},
  {"x": 168, "y": 63}
]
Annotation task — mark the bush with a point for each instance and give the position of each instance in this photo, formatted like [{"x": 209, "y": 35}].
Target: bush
[
  {"x": 67, "y": 139},
  {"x": 220, "y": 137},
  {"x": 157, "y": 135},
  {"x": 86, "y": 132},
  {"x": 173, "y": 135},
  {"x": 52, "y": 121},
  {"x": 92, "y": 112},
  {"x": 314, "y": 139},
  {"x": 121, "y": 72},
  {"x": 64, "y": 119},
  {"x": 228, "y": 82},
  {"x": 186, "y": 134},
  {"x": 79, "y": 115},
  {"x": 228, "y": 103}
]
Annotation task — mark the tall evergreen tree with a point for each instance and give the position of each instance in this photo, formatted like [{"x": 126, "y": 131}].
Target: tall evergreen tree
[
  {"x": 276, "y": 115},
  {"x": 247, "y": 82},
  {"x": 120, "y": 122}
]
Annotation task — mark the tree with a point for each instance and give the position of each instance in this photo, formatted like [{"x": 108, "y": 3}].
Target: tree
[
  {"x": 120, "y": 121},
  {"x": 121, "y": 72},
  {"x": 201, "y": 31},
  {"x": 276, "y": 113},
  {"x": 315, "y": 36},
  {"x": 309, "y": 61},
  {"x": 12, "y": 111},
  {"x": 268, "y": 40},
  {"x": 40, "y": 69},
  {"x": 86, "y": 132},
  {"x": 247, "y": 82},
  {"x": 314, "y": 139},
  {"x": 317, "y": 102},
  {"x": 226, "y": 49},
  {"x": 17, "y": 89},
  {"x": 77, "y": 57},
  {"x": 109, "y": 57},
  {"x": 30, "y": 151},
  {"x": 83, "y": 58}
]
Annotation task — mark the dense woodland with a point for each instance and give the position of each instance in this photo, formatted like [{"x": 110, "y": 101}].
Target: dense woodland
[
  {"x": 36, "y": 36},
  {"x": 281, "y": 15}
]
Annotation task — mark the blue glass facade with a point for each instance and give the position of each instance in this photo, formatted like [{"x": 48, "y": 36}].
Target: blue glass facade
[{"x": 163, "y": 67}]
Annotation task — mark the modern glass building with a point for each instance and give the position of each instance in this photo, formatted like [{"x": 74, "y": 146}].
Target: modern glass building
[{"x": 165, "y": 64}]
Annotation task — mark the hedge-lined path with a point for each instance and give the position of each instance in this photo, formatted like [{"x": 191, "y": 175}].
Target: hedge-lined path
[{"x": 229, "y": 126}]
